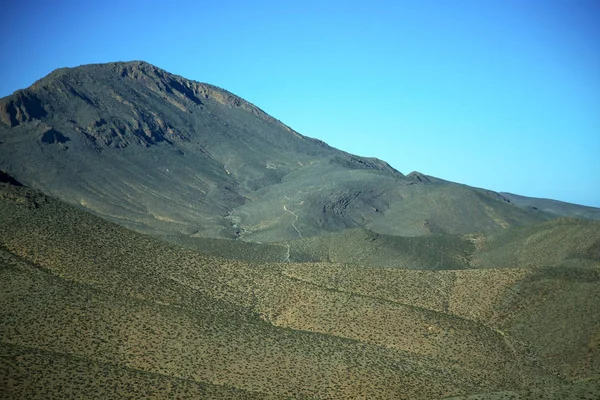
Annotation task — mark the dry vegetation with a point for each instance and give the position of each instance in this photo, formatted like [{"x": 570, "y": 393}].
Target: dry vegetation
[
  {"x": 89, "y": 308},
  {"x": 33, "y": 373}
]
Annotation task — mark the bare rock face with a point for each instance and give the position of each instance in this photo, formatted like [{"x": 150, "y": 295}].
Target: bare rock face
[
  {"x": 164, "y": 83},
  {"x": 148, "y": 130},
  {"x": 23, "y": 106}
]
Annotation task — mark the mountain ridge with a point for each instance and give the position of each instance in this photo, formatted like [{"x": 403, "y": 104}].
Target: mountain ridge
[
  {"x": 165, "y": 155},
  {"x": 557, "y": 207}
]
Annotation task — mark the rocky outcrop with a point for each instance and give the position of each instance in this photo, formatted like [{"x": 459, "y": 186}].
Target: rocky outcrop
[{"x": 23, "y": 106}]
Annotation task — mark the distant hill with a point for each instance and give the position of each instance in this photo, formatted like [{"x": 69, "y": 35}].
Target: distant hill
[
  {"x": 172, "y": 157},
  {"x": 553, "y": 206}
]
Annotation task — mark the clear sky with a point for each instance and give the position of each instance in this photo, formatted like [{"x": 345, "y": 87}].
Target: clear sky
[{"x": 501, "y": 94}]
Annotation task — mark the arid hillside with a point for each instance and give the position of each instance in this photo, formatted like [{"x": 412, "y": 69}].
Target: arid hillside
[{"x": 88, "y": 306}]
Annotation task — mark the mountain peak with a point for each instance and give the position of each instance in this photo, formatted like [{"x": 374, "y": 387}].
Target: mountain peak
[
  {"x": 121, "y": 103},
  {"x": 113, "y": 137}
]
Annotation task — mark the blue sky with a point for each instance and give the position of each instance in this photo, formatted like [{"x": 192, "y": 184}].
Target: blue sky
[{"x": 502, "y": 94}]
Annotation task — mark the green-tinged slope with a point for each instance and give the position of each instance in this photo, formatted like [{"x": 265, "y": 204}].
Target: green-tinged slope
[
  {"x": 32, "y": 373},
  {"x": 564, "y": 241},
  {"x": 367, "y": 248},
  {"x": 559, "y": 242},
  {"x": 357, "y": 246}
]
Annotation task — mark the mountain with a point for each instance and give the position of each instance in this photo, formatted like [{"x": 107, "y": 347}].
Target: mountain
[
  {"x": 164, "y": 155},
  {"x": 164, "y": 238},
  {"x": 98, "y": 311}
]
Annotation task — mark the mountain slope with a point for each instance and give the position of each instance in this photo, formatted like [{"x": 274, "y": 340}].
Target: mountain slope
[
  {"x": 553, "y": 206},
  {"x": 165, "y": 155},
  {"x": 86, "y": 294},
  {"x": 559, "y": 242}
]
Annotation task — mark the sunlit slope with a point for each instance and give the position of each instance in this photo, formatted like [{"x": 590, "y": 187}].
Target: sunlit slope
[
  {"x": 554, "y": 312},
  {"x": 180, "y": 316},
  {"x": 357, "y": 246},
  {"x": 77, "y": 286},
  {"x": 321, "y": 198},
  {"x": 576, "y": 391},
  {"x": 553, "y": 206},
  {"x": 563, "y": 241}
]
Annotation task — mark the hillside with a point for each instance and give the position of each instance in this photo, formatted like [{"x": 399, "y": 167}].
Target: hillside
[
  {"x": 154, "y": 318},
  {"x": 553, "y": 206},
  {"x": 164, "y": 155}
]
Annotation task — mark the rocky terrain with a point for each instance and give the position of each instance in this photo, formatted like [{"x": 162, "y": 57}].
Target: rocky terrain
[
  {"x": 164, "y": 155},
  {"x": 163, "y": 238}
]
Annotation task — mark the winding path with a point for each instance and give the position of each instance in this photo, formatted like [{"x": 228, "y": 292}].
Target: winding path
[{"x": 294, "y": 221}]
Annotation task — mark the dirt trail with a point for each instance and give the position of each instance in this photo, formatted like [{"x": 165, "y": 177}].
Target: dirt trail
[{"x": 294, "y": 221}]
